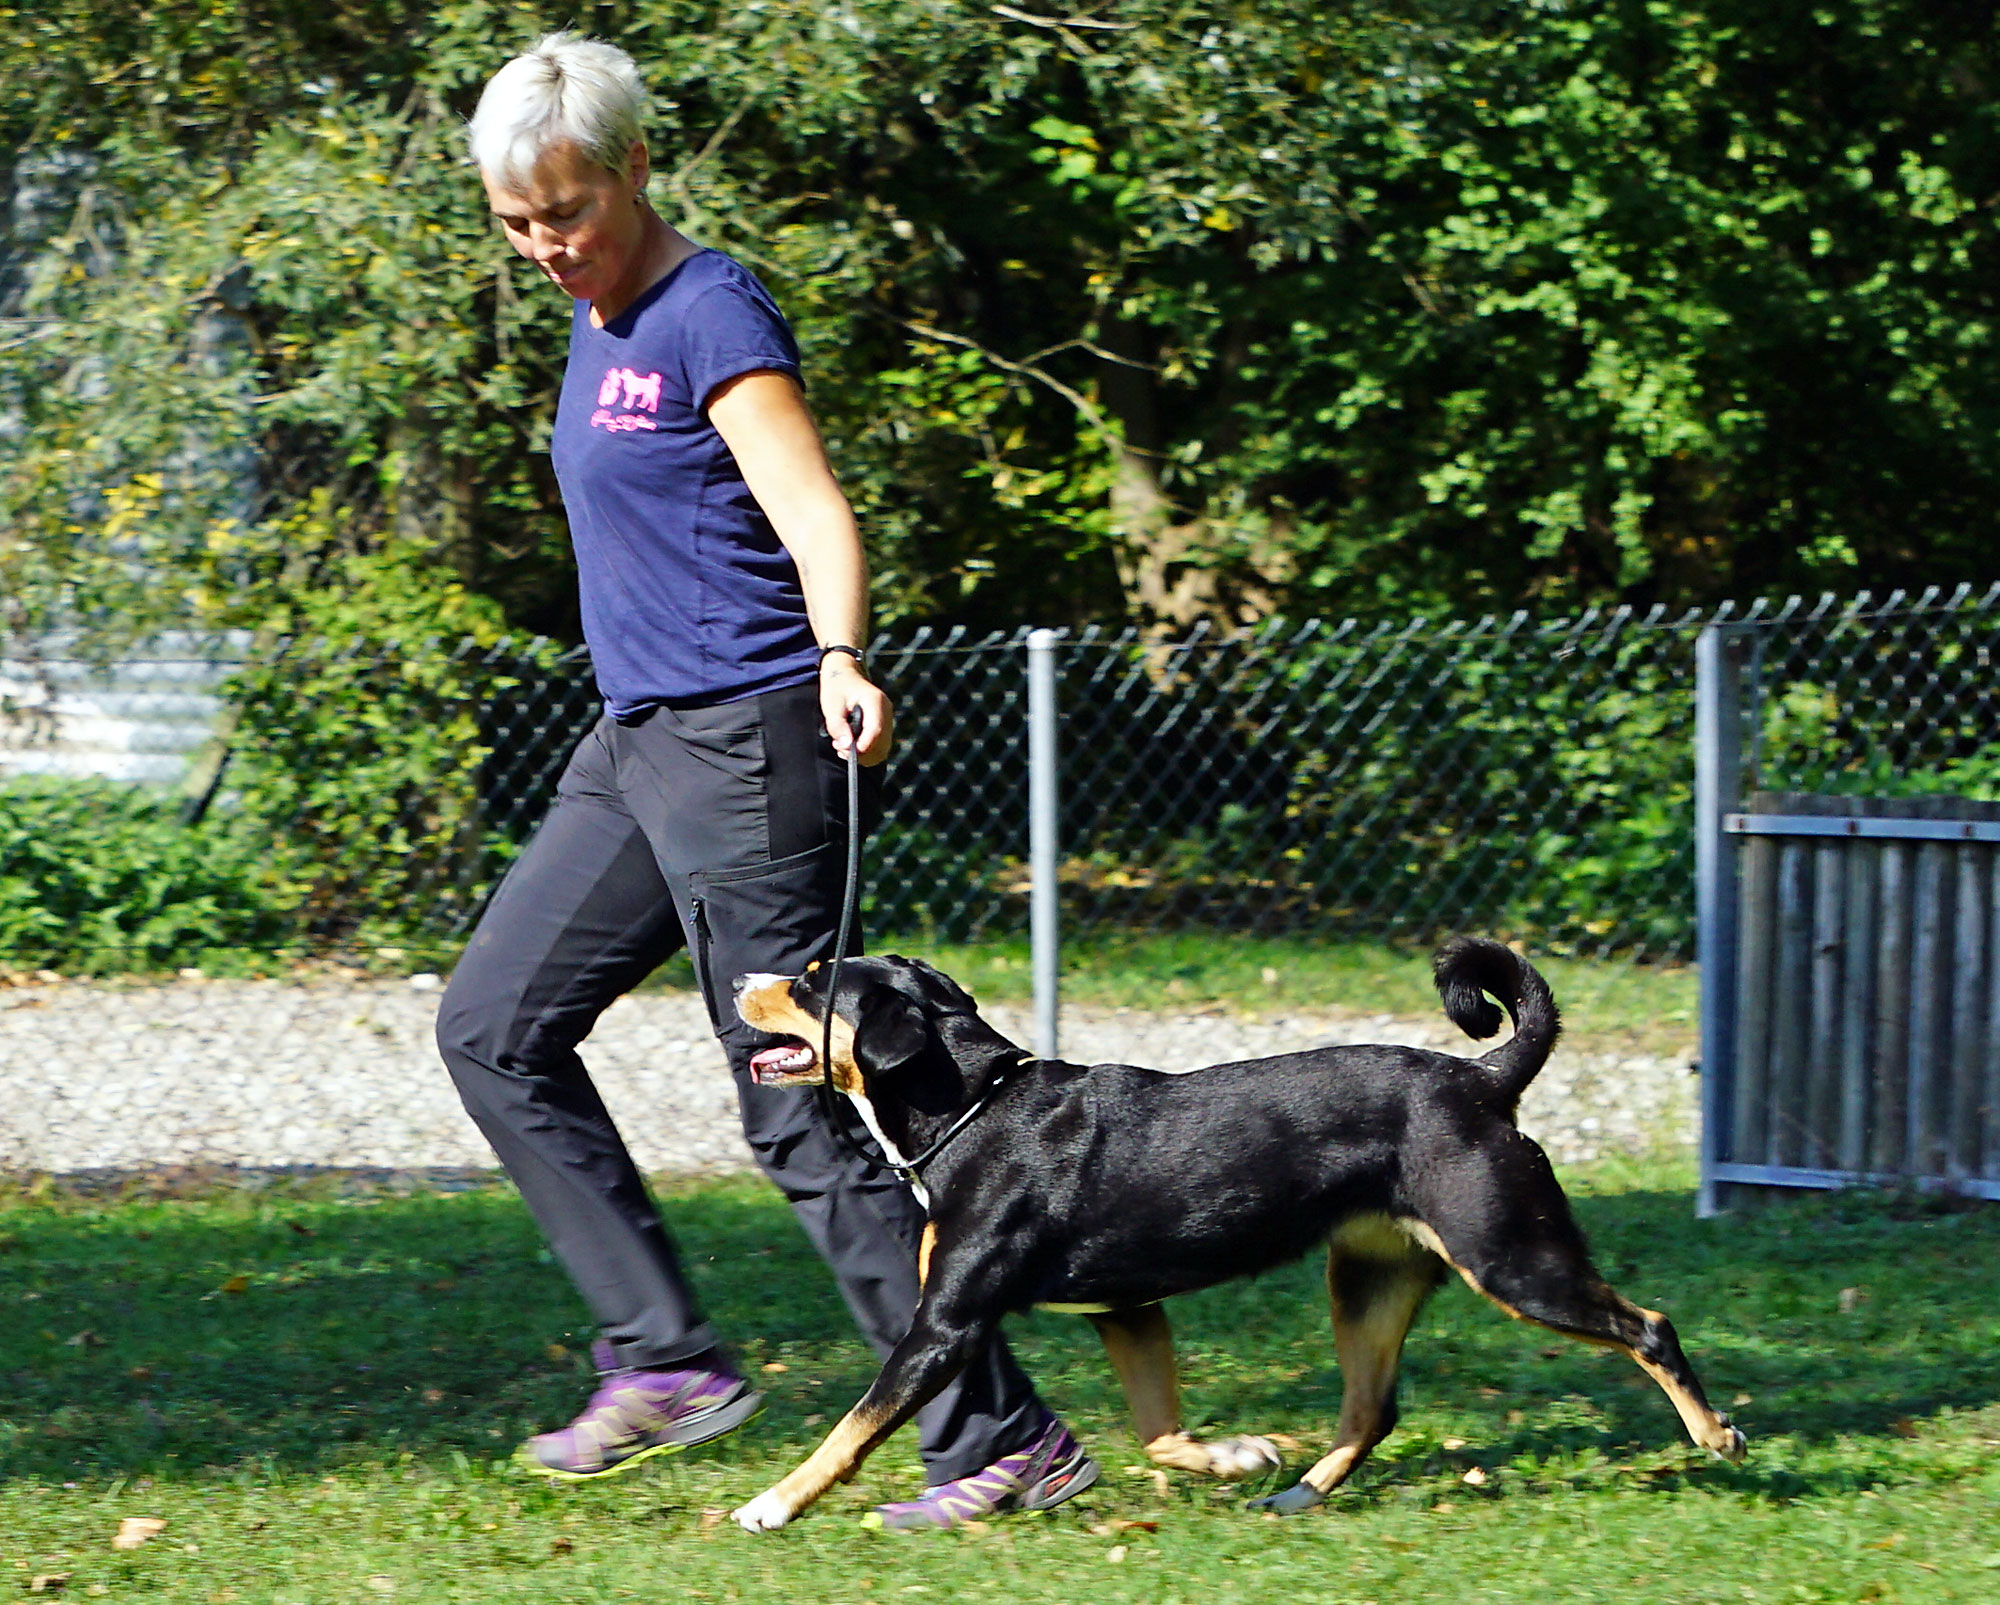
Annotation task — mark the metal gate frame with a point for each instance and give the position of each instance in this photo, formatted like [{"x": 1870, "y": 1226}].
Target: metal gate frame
[{"x": 1725, "y": 654}]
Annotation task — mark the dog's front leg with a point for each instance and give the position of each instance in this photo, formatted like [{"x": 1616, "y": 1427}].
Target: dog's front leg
[
  {"x": 1140, "y": 1345},
  {"x": 929, "y": 1356}
]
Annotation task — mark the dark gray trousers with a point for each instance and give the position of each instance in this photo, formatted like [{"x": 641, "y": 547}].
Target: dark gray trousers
[{"x": 723, "y": 827}]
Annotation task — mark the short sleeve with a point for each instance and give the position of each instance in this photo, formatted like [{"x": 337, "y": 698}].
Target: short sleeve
[{"x": 733, "y": 329}]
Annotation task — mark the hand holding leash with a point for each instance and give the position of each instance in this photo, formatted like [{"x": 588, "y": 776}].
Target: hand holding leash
[{"x": 859, "y": 715}]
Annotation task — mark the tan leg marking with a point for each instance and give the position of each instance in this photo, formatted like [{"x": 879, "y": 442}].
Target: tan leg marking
[
  {"x": 1369, "y": 1342},
  {"x": 837, "y": 1458},
  {"x": 1708, "y": 1429},
  {"x": 924, "y": 1247},
  {"x": 1140, "y": 1346}
]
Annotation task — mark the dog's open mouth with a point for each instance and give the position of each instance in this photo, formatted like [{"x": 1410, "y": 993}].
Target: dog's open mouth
[{"x": 786, "y": 1065}]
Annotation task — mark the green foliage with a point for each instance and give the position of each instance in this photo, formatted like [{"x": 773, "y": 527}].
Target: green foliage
[
  {"x": 100, "y": 877},
  {"x": 361, "y": 749},
  {"x": 1431, "y": 303}
]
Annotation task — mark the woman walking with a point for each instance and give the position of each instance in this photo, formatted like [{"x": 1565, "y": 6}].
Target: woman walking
[{"x": 724, "y": 600}]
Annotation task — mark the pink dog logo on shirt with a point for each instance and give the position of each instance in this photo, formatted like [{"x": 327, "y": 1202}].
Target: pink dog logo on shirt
[{"x": 631, "y": 390}]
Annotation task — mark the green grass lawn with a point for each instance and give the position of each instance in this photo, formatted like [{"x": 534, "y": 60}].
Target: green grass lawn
[{"x": 317, "y": 1392}]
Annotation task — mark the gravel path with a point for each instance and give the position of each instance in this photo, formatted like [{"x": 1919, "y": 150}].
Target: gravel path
[{"x": 273, "y": 1074}]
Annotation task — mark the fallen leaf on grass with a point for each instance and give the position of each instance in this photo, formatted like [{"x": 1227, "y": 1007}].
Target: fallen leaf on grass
[
  {"x": 1850, "y": 1299},
  {"x": 135, "y": 1530},
  {"x": 1739, "y": 1401},
  {"x": 555, "y": 1351},
  {"x": 773, "y": 1367},
  {"x": 560, "y": 1546},
  {"x": 238, "y": 1283},
  {"x": 48, "y": 1583},
  {"x": 381, "y": 1584},
  {"x": 141, "y": 1373},
  {"x": 300, "y": 1227},
  {"x": 1118, "y": 1524},
  {"x": 1452, "y": 1443},
  {"x": 85, "y": 1340},
  {"x": 433, "y": 1395},
  {"x": 1475, "y": 1477},
  {"x": 712, "y": 1518},
  {"x": 1116, "y": 1554},
  {"x": 1903, "y": 1427}
]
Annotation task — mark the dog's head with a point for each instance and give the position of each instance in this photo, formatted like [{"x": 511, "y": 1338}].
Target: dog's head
[{"x": 891, "y": 1013}]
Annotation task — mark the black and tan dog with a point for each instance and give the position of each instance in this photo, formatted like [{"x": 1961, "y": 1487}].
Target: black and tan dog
[{"x": 1107, "y": 1188}]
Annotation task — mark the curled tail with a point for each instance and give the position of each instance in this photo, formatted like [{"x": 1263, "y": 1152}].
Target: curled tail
[{"x": 1468, "y": 968}]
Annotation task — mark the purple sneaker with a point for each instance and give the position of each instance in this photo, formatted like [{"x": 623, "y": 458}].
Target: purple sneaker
[
  {"x": 635, "y": 1415},
  {"x": 1039, "y": 1477}
]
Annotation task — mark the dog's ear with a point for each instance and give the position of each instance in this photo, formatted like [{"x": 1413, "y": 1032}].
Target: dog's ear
[
  {"x": 942, "y": 986},
  {"x": 892, "y": 1031}
]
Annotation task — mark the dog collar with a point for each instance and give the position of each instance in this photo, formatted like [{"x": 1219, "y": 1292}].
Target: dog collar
[{"x": 911, "y": 1169}]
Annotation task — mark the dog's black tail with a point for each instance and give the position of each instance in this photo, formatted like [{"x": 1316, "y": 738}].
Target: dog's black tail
[{"x": 1470, "y": 967}]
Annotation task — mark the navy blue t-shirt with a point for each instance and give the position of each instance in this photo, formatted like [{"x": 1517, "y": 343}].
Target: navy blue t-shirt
[{"x": 687, "y": 595}]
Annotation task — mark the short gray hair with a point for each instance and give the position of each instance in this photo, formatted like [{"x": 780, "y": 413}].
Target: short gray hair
[{"x": 565, "y": 90}]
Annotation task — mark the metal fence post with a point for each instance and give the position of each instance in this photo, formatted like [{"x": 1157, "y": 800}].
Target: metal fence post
[
  {"x": 1718, "y": 781},
  {"x": 1043, "y": 924}
]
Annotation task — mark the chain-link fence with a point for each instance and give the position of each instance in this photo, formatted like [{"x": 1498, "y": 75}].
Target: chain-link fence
[{"x": 351, "y": 806}]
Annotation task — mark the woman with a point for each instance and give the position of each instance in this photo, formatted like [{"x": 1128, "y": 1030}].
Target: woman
[{"x": 724, "y": 598}]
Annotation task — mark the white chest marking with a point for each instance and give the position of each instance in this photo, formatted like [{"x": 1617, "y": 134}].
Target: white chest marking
[{"x": 867, "y": 1113}]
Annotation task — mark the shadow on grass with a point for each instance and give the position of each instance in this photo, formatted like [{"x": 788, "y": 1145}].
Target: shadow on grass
[{"x": 292, "y": 1327}]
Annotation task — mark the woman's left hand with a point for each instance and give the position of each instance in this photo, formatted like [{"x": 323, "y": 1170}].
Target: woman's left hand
[{"x": 843, "y": 686}]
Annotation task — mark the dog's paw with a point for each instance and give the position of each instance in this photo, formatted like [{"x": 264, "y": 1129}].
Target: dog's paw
[
  {"x": 764, "y": 1514},
  {"x": 1299, "y": 1497},
  {"x": 1735, "y": 1449},
  {"x": 1233, "y": 1459}
]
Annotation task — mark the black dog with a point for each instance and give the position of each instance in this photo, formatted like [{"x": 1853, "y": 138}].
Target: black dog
[{"x": 1106, "y": 1188}]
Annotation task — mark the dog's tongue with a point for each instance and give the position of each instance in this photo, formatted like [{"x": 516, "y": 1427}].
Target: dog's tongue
[{"x": 788, "y": 1058}]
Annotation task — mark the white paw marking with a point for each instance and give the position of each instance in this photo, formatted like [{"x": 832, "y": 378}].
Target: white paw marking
[
  {"x": 764, "y": 1514},
  {"x": 1244, "y": 1457}
]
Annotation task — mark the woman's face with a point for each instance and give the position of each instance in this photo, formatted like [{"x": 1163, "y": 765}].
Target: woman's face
[{"x": 577, "y": 221}]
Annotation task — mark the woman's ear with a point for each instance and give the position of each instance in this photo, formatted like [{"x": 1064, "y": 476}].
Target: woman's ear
[{"x": 892, "y": 1031}]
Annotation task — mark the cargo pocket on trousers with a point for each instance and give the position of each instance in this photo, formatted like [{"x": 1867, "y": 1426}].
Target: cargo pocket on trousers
[{"x": 761, "y": 918}]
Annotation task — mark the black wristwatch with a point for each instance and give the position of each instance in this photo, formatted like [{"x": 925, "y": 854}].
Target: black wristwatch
[{"x": 853, "y": 652}]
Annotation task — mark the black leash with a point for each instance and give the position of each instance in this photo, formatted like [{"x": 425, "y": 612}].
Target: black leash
[
  {"x": 827, "y": 1093},
  {"x": 909, "y": 1168},
  {"x": 850, "y": 899}
]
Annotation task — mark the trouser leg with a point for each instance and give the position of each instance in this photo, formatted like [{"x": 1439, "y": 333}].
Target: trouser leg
[
  {"x": 769, "y": 902},
  {"x": 583, "y": 915}
]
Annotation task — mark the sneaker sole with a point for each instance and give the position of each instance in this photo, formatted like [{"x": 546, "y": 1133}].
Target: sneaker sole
[
  {"x": 1062, "y": 1484},
  {"x": 716, "y": 1423}
]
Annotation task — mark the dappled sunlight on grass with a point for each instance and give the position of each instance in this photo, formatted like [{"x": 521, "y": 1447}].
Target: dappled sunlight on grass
[{"x": 314, "y": 1388}]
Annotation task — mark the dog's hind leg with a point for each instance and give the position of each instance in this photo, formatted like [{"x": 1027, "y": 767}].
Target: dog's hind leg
[
  {"x": 1528, "y": 1256},
  {"x": 1375, "y": 1298},
  {"x": 1140, "y": 1345}
]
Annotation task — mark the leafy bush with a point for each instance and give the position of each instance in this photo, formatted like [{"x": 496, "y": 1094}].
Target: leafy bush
[
  {"x": 99, "y": 877},
  {"x": 362, "y": 749}
]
